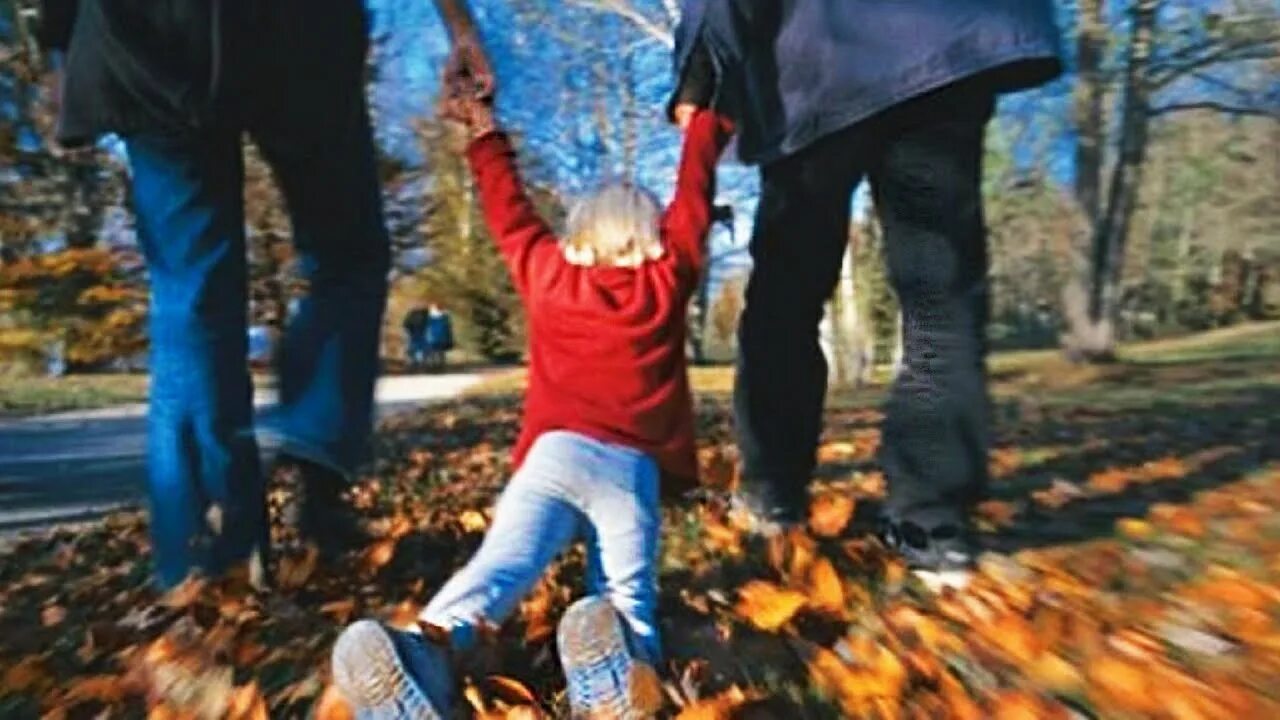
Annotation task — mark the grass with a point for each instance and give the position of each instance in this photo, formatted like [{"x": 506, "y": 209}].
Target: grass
[
  {"x": 26, "y": 395},
  {"x": 1016, "y": 372}
]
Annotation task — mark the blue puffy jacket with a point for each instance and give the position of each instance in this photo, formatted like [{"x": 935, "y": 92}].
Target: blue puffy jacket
[{"x": 793, "y": 71}]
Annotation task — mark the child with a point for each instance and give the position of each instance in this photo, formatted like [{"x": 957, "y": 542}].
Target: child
[{"x": 608, "y": 411}]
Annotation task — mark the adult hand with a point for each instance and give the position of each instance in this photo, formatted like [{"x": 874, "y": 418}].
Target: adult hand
[
  {"x": 697, "y": 86},
  {"x": 683, "y": 114},
  {"x": 467, "y": 72}
]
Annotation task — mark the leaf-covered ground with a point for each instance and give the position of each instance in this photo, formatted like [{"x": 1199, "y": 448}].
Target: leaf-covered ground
[{"x": 1135, "y": 572}]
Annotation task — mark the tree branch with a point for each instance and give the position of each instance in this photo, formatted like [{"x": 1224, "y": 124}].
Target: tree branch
[
  {"x": 1214, "y": 106},
  {"x": 628, "y": 12}
]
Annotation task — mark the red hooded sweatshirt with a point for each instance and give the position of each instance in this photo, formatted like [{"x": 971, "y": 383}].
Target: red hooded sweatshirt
[{"x": 607, "y": 344}]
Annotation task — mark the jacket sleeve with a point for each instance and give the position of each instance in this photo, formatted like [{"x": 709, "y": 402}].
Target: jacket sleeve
[
  {"x": 57, "y": 19},
  {"x": 711, "y": 43},
  {"x": 688, "y": 219},
  {"x": 527, "y": 245}
]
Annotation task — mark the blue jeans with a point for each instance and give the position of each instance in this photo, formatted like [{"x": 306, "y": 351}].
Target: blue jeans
[
  {"x": 202, "y": 452},
  {"x": 570, "y": 487}
]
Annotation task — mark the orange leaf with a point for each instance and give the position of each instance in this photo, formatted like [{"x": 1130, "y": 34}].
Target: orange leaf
[
  {"x": 247, "y": 703},
  {"x": 768, "y": 606},
  {"x": 28, "y": 674},
  {"x": 1020, "y": 705},
  {"x": 333, "y": 706},
  {"x": 836, "y": 452},
  {"x": 998, "y": 512},
  {"x": 106, "y": 689},
  {"x": 377, "y": 555},
  {"x": 473, "y": 521},
  {"x": 830, "y": 513},
  {"x": 825, "y": 590},
  {"x": 721, "y": 707},
  {"x": 475, "y": 699},
  {"x": 511, "y": 691},
  {"x": 1135, "y": 529},
  {"x": 1122, "y": 683},
  {"x": 1054, "y": 674},
  {"x": 186, "y": 594},
  {"x": 1109, "y": 481}
]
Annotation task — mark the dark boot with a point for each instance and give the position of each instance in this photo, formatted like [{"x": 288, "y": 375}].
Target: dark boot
[{"x": 321, "y": 514}]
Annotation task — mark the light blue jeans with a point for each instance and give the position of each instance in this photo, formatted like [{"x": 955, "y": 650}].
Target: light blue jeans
[{"x": 570, "y": 487}]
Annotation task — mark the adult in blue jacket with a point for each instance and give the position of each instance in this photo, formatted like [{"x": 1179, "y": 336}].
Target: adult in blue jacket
[{"x": 827, "y": 93}]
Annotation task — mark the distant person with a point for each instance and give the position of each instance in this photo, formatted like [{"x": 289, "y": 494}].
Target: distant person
[
  {"x": 608, "y": 411},
  {"x": 827, "y": 93},
  {"x": 182, "y": 82},
  {"x": 439, "y": 337},
  {"x": 415, "y": 337}
]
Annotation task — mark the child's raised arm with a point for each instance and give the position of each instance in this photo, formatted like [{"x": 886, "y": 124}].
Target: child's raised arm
[
  {"x": 523, "y": 238},
  {"x": 526, "y": 243},
  {"x": 688, "y": 219}
]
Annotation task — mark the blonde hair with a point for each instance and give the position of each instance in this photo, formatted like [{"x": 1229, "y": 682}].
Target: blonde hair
[{"x": 616, "y": 225}]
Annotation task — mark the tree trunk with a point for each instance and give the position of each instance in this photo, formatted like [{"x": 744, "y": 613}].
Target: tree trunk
[
  {"x": 698, "y": 335},
  {"x": 1089, "y": 93},
  {"x": 1094, "y": 335},
  {"x": 899, "y": 346}
]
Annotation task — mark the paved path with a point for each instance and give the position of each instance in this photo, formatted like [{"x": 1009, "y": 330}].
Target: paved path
[{"x": 76, "y": 466}]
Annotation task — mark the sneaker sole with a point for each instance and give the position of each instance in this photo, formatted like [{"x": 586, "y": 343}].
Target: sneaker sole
[
  {"x": 603, "y": 679},
  {"x": 368, "y": 672}
]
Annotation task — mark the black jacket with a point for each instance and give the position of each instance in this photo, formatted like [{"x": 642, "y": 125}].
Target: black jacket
[{"x": 178, "y": 66}]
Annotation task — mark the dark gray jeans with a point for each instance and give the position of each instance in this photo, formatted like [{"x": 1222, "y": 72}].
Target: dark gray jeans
[{"x": 924, "y": 162}]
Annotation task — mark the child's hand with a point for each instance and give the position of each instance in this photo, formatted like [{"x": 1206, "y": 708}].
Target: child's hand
[
  {"x": 683, "y": 114},
  {"x": 467, "y": 72},
  {"x": 475, "y": 115},
  {"x": 472, "y": 112}
]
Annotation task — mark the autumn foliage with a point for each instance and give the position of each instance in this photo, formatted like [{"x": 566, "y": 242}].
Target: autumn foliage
[{"x": 81, "y": 297}]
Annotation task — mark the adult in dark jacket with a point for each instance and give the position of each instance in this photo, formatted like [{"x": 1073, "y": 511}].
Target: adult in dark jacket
[
  {"x": 181, "y": 82},
  {"x": 825, "y": 94}
]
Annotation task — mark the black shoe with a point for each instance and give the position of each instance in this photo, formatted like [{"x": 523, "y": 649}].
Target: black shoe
[
  {"x": 754, "y": 517},
  {"x": 323, "y": 516},
  {"x": 941, "y": 556}
]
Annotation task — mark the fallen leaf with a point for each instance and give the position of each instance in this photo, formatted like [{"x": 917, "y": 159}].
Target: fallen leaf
[
  {"x": 185, "y": 594},
  {"x": 106, "y": 689},
  {"x": 1121, "y": 683},
  {"x": 1054, "y": 674},
  {"x": 377, "y": 555},
  {"x": 825, "y": 590},
  {"x": 333, "y": 706},
  {"x": 340, "y": 610},
  {"x": 998, "y": 512},
  {"x": 838, "y": 451},
  {"x": 1135, "y": 529},
  {"x": 25, "y": 675},
  {"x": 1109, "y": 482},
  {"x": 830, "y": 514},
  {"x": 53, "y": 615},
  {"x": 767, "y": 606},
  {"x": 295, "y": 569},
  {"x": 510, "y": 690},
  {"x": 247, "y": 703},
  {"x": 719, "y": 707}
]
